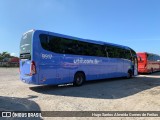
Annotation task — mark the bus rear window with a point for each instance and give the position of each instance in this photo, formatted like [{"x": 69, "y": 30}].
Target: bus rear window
[{"x": 25, "y": 44}]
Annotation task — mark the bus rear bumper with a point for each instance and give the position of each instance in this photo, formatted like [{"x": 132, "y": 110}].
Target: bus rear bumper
[
  {"x": 28, "y": 80},
  {"x": 143, "y": 70}
]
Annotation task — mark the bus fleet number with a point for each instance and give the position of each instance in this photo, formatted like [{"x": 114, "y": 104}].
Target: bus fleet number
[{"x": 47, "y": 56}]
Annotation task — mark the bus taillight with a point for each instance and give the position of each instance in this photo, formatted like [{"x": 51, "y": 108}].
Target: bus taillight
[{"x": 33, "y": 68}]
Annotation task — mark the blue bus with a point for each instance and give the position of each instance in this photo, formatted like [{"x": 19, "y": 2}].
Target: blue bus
[{"x": 50, "y": 58}]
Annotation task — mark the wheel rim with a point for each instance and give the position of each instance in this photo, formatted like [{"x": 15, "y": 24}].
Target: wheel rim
[{"x": 79, "y": 80}]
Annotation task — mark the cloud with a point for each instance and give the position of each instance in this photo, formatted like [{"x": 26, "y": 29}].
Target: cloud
[{"x": 13, "y": 54}]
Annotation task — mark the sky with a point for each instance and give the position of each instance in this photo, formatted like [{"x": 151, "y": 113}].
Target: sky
[{"x": 133, "y": 23}]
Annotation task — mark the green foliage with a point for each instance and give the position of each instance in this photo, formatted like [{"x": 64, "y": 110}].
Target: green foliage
[{"x": 4, "y": 55}]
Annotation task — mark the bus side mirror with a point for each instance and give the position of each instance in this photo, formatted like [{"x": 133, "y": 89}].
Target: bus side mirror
[{"x": 139, "y": 58}]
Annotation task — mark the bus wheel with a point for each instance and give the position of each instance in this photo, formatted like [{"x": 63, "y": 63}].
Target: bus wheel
[
  {"x": 79, "y": 79},
  {"x": 129, "y": 74}
]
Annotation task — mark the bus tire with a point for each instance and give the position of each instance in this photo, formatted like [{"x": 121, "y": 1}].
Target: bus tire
[
  {"x": 79, "y": 79},
  {"x": 130, "y": 74}
]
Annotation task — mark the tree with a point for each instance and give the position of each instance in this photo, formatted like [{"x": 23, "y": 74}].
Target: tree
[{"x": 4, "y": 55}]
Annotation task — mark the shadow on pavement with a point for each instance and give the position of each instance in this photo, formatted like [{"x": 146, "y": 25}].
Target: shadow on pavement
[
  {"x": 18, "y": 104},
  {"x": 105, "y": 89}
]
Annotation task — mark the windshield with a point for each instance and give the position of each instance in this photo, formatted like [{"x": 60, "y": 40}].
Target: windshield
[{"x": 25, "y": 44}]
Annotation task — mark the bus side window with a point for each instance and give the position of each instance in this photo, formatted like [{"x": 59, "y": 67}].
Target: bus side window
[
  {"x": 105, "y": 50},
  {"x": 110, "y": 51},
  {"x": 44, "y": 41},
  {"x": 128, "y": 55},
  {"x": 82, "y": 48},
  {"x": 54, "y": 44}
]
